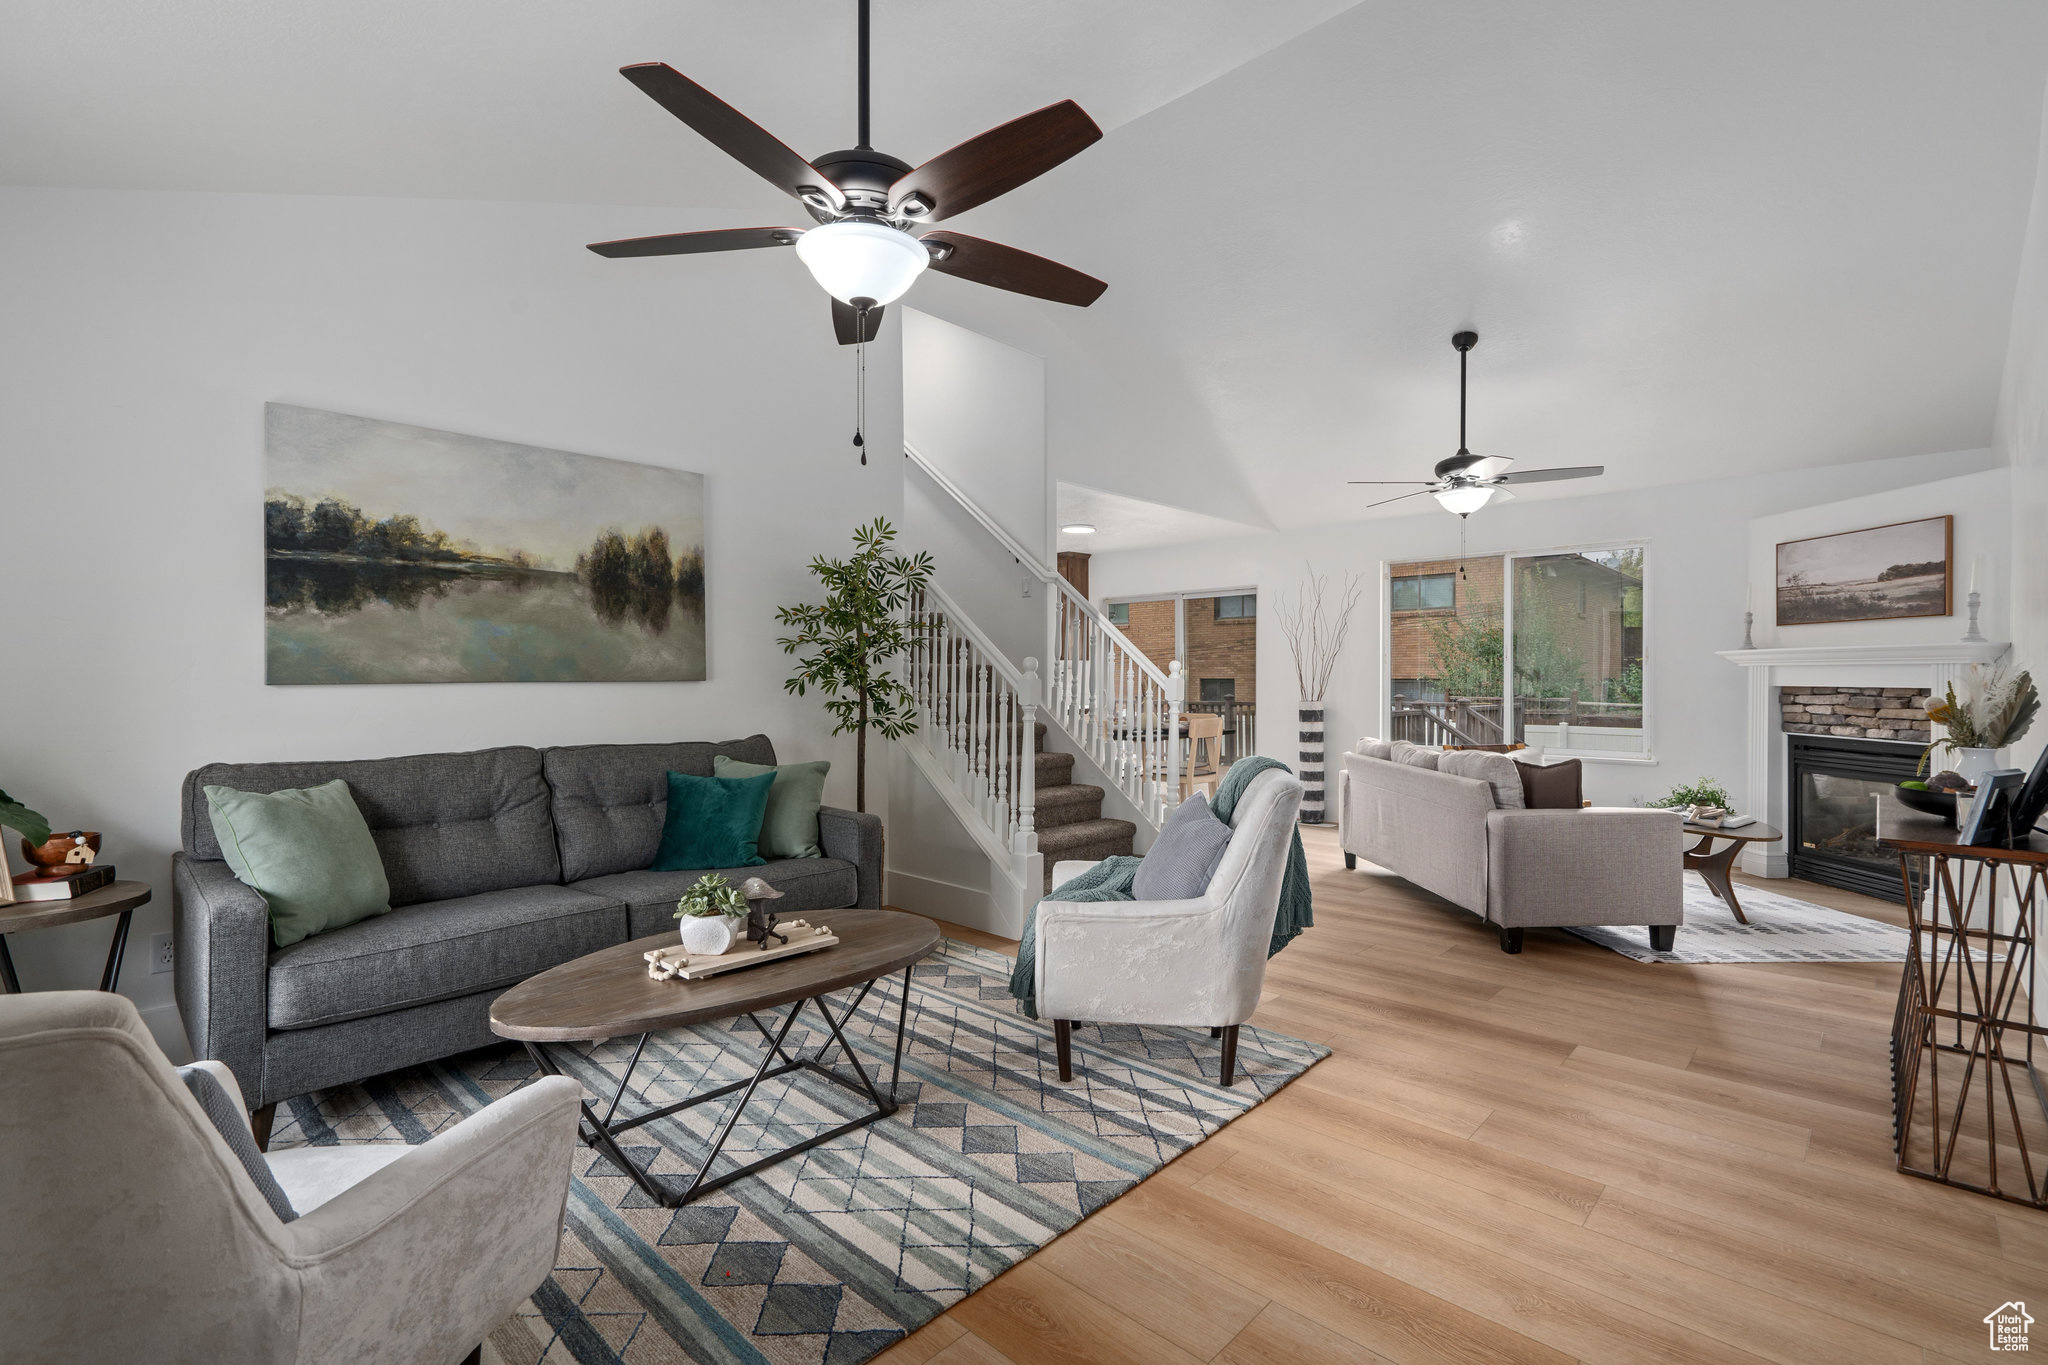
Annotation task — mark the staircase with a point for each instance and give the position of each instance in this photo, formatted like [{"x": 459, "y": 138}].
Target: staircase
[{"x": 1070, "y": 822}]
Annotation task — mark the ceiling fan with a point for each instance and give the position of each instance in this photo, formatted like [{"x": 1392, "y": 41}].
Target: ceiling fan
[
  {"x": 868, "y": 247},
  {"x": 1465, "y": 482}
]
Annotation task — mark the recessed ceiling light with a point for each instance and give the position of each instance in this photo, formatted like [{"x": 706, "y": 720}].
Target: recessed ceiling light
[{"x": 1077, "y": 528}]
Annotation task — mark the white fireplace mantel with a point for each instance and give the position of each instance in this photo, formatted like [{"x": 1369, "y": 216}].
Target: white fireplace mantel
[{"x": 1929, "y": 667}]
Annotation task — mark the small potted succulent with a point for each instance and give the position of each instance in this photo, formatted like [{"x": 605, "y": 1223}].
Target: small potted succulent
[
  {"x": 713, "y": 913},
  {"x": 1704, "y": 800}
]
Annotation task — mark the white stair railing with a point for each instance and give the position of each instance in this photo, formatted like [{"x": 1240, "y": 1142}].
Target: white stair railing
[
  {"x": 1116, "y": 704},
  {"x": 978, "y": 718}
]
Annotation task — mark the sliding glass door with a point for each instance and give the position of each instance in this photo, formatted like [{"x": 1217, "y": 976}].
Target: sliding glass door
[{"x": 1214, "y": 638}]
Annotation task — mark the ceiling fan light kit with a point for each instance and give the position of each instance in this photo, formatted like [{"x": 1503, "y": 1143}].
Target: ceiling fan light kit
[
  {"x": 1465, "y": 482},
  {"x": 869, "y": 247},
  {"x": 861, "y": 263}
]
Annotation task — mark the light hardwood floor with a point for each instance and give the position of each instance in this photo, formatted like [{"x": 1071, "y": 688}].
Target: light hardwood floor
[{"x": 1560, "y": 1156}]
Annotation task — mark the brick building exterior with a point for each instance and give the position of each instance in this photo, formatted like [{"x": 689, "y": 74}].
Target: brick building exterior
[
  {"x": 1476, "y": 594},
  {"x": 1222, "y": 651}
]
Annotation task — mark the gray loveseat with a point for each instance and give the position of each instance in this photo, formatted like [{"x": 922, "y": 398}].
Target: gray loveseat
[
  {"x": 502, "y": 863},
  {"x": 1516, "y": 869}
]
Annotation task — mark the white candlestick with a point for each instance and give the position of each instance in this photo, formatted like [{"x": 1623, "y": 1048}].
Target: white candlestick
[{"x": 1973, "y": 571}]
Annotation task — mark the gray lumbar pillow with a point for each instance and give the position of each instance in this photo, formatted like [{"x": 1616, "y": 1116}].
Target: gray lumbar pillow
[
  {"x": 1374, "y": 748},
  {"x": 1184, "y": 856},
  {"x": 234, "y": 1130},
  {"x": 1496, "y": 770},
  {"x": 1414, "y": 755}
]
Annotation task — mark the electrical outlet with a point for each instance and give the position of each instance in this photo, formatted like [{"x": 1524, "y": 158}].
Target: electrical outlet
[{"x": 160, "y": 959}]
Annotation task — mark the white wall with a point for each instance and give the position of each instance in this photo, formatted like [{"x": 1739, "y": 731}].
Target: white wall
[
  {"x": 975, "y": 408},
  {"x": 1698, "y": 537},
  {"x": 145, "y": 331},
  {"x": 2022, "y": 439}
]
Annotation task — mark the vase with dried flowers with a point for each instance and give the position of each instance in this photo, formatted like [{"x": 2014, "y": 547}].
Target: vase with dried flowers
[
  {"x": 1315, "y": 626},
  {"x": 1996, "y": 707}
]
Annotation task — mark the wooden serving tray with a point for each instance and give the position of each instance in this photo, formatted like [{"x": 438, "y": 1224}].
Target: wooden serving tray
[{"x": 803, "y": 938}]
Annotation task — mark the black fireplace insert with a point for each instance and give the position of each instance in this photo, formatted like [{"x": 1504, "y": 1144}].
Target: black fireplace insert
[{"x": 1834, "y": 785}]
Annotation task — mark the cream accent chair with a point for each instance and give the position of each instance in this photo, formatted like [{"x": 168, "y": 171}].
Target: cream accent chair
[
  {"x": 129, "y": 1231},
  {"x": 1192, "y": 963}
]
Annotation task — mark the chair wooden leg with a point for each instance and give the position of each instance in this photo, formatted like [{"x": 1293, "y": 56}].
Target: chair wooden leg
[
  {"x": 1230, "y": 1056},
  {"x": 1216, "y": 1032},
  {"x": 1511, "y": 940},
  {"x": 1351, "y": 862},
  {"x": 1063, "y": 1044},
  {"x": 259, "y": 1126}
]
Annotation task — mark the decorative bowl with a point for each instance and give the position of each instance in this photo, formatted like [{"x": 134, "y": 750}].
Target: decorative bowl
[
  {"x": 1928, "y": 802},
  {"x": 59, "y": 849}
]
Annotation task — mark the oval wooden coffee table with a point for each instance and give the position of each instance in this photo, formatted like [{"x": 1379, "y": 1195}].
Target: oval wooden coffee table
[{"x": 608, "y": 994}]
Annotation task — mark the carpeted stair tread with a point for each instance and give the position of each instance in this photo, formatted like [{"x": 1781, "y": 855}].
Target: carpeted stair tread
[
  {"x": 1069, "y": 804},
  {"x": 1067, "y": 841},
  {"x": 1052, "y": 770}
]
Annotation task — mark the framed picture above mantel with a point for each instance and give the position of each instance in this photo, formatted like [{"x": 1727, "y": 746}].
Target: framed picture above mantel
[{"x": 1881, "y": 573}]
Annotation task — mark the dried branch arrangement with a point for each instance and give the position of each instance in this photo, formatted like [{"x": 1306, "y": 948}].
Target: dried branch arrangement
[{"x": 1315, "y": 626}]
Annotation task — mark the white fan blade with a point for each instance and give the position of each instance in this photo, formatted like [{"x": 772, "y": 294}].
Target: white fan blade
[{"x": 1580, "y": 471}]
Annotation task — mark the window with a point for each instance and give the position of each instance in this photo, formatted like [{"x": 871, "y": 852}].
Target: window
[
  {"x": 1219, "y": 689},
  {"x": 1243, "y": 607},
  {"x": 1566, "y": 627},
  {"x": 1426, "y": 592},
  {"x": 1119, "y": 613}
]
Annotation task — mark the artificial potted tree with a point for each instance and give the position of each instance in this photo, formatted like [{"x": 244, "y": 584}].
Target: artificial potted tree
[{"x": 846, "y": 641}]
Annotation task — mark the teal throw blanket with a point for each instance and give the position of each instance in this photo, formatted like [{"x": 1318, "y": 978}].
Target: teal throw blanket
[{"x": 1110, "y": 880}]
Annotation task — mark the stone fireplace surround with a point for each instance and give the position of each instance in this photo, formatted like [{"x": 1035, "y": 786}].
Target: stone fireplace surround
[
  {"x": 1853, "y": 672},
  {"x": 1856, "y": 712}
]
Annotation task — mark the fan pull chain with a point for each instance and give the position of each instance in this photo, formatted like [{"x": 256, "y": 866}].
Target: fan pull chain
[{"x": 860, "y": 386}]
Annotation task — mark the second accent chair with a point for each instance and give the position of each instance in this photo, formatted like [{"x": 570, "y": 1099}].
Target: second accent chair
[{"x": 1192, "y": 963}]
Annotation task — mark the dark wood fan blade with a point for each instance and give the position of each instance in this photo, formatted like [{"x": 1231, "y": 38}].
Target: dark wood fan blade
[
  {"x": 690, "y": 243},
  {"x": 1578, "y": 471},
  {"x": 846, "y": 322},
  {"x": 732, "y": 132},
  {"x": 997, "y": 161},
  {"x": 1384, "y": 501},
  {"x": 1005, "y": 267}
]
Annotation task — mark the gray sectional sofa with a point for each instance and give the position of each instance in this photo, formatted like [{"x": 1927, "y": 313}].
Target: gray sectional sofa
[{"x": 502, "y": 863}]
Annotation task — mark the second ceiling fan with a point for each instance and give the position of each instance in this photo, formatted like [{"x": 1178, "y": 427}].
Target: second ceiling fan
[
  {"x": 867, "y": 248},
  {"x": 1465, "y": 482}
]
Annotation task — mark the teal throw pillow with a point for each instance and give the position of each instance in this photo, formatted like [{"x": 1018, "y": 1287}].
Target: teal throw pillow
[
  {"x": 713, "y": 822},
  {"x": 306, "y": 851},
  {"x": 790, "y": 829}
]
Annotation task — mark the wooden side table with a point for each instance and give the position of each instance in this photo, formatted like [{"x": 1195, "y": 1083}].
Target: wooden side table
[
  {"x": 1714, "y": 866},
  {"x": 115, "y": 898},
  {"x": 1981, "y": 1122}
]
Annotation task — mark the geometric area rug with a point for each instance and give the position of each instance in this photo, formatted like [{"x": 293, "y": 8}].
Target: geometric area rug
[
  {"x": 1780, "y": 929},
  {"x": 833, "y": 1255}
]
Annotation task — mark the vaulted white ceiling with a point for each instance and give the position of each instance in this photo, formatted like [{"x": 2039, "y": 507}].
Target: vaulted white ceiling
[
  {"x": 1696, "y": 240},
  {"x": 521, "y": 99}
]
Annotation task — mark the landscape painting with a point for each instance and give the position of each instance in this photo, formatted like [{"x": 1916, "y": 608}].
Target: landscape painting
[
  {"x": 399, "y": 554},
  {"x": 1880, "y": 574}
]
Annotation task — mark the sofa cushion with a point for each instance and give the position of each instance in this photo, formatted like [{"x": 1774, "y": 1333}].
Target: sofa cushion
[
  {"x": 1415, "y": 755},
  {"x": 306, "y": 851},
  {"x": 437, "y": 950},
  {"x": 789, "y": 829},
  {"x": 1374, "y": 748},
  {"x": 610, "y": 799},
  {"x": 1497, "y": 770},
  {"x": 1552, "y": 786},
  {"x": 713, "y": 822},
  {"x": 446, "y": 825},
  {"x": 806, "y": 884}
]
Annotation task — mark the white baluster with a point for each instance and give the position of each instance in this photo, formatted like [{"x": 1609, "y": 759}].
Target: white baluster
[{"x": 1025, "y": 840}]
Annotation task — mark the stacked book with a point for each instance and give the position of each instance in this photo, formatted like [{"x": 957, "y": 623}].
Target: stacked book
[{"x": 62, "y": 883}]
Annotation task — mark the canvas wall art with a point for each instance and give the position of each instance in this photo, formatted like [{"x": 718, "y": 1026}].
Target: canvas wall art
[
  {"x": 1879, "y": 574},
  {"x": 400, "y": 554}
]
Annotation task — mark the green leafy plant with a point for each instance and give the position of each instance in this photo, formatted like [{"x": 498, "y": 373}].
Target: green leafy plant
[
  {"x": 711, "y": 895},
  {"x": 15, "y": 816},
  {"x": 1705, "y": 792},
  {"x": 1996, "y": 709},
  {"x": 852, "y": 634}
]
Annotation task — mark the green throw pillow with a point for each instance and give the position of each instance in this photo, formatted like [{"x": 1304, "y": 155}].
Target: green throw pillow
[
  {"x": 713, "y": 822},
  {"x": 790, "y": 829},
  {"x": 306, "y": 851}
]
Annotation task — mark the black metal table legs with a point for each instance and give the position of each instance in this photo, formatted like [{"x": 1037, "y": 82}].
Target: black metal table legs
[
  {"x": 603, "y": 1133},
  {"x": 110, "y": 976}
]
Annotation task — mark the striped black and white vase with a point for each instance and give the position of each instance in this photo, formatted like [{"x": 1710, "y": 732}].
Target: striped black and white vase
[{"x": 1311, "y": 771}]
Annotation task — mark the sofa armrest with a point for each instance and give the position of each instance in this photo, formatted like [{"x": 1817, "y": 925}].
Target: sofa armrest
[
  {"x": 423, "y": 1258},
  {"x": 856, "y": 838},
  {"x": 1603, "y": 865},
  {"x": 222, "y": 969}
]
